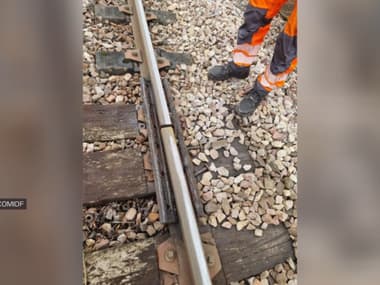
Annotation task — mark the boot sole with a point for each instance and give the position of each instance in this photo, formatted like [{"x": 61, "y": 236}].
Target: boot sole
[
  {"x": 237, "y": 112},
  {"x": 211, "y": 77}
]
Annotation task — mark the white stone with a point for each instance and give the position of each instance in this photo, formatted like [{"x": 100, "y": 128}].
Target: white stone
[
  {"x": 237, "y": 166},
  {"x": 241, "y": 225},
  {"x": 288, "y": 204},
  {"x": 119, "y": 99},
  {"x": 233, "y": 151},
  {"x": 247, "y": 167},
  {"x": 214, "y": 154},
  {"x": 227, "y": 225},
  {"x": 264, "y": 226},
  {"x": 220, "y": 216},
  {"x": 212, "y": 221},
  {"x": 278, "y": 199},
  {"x": 206, "y": 178},
  {"x": 278, "y": 144},
  {"x": 218, "y": 133},
  {"x": 196, "y": 161},
  {"x": 235, "y": 213},
  {"x": 131, "y": 214},
  {"x": 127, "y": 76},
  {"x": 202, "y": 157},
  {"x": 223, "y": 171},
  {"x": 258, "y": 232}
]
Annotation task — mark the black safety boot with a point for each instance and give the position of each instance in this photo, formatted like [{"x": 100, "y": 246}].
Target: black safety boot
[
  {"x": 251, "y": 100},
  {"x": 229, "y": 70}
]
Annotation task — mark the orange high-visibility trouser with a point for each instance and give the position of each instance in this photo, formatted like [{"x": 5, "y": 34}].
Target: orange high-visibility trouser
[{"x": 257, "y": 18}]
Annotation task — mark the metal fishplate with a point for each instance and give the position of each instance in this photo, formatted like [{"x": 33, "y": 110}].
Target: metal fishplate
[{"x": 174, "y": 265}]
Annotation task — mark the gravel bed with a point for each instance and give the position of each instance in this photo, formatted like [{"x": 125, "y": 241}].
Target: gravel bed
[
  {"x": 267, "y": 195},
  {"x": 110, "y": 145},
  {"x": 281, "y": 274},
  {"x": 105, "y": 36},
  {"x": 115, "y": 223},
  {"x": 120, "y": 222}
]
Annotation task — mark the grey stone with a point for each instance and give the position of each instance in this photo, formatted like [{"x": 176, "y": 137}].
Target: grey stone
[
  {"x": 211, "y": 207},
  {"x": 219, "y": 144},
  {"x": 289, "y": 184},
  {"x": 114, "y": 63},
  {"x": 111, "y": 14},
  {"x": 164, "y": 17},
  {"x": 175, "y": 58},
  {"x": 122, "y": 238}
]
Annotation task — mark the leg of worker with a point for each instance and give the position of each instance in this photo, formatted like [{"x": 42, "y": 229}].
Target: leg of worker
[
  {"x": 257, "y": 18},
  {"x": 283, "y": 62},
  {"x": 284, "y": 58}
]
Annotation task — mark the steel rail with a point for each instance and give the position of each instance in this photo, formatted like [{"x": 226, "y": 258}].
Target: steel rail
[
  {"x": 150, "y": 62},
  {"x": 189, "y": 227}
]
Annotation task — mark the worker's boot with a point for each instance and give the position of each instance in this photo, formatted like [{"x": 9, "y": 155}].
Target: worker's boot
[
  {"x": 229, "y": 70},
  {"x": 251, "y": 100}
]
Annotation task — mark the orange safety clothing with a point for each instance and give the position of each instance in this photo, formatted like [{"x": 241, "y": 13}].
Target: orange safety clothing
[{"x": 257, "y": 18}]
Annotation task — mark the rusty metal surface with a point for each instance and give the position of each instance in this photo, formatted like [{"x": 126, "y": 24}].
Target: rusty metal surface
[
  {"x": 172, "y": 257},
  {"x": 167, "y": 257},
  {"x": 133, "y": 54},
  {"x": 125, "y": 9},
  {"x": 168, "y": 279},
  {"x": 212, "y": 257},
  {"x": 150, "y": 16},
  {"x": 161, "y": 180},
  {"x": 163, "y": 62}
]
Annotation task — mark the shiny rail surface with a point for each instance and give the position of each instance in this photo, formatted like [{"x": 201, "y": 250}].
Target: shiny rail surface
[{"x": 188, "y": 222}]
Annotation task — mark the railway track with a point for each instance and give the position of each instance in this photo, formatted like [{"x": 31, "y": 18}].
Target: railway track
[
  {"x": 172, "y": 154},
  {"x": 189, "y": 252}
]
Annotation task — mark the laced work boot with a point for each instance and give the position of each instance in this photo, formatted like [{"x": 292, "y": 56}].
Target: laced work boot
[
  {"x": 229, "y": 70},
  {"x": 251, "y": 100}
]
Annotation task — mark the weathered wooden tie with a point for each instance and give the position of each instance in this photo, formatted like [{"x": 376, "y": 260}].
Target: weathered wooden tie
[
  {"x": 114, "y": 175},
  {"x": 109, "y": 122},
  {"x": 242, "y": 255},
  {"x": 133, "y": 263}
]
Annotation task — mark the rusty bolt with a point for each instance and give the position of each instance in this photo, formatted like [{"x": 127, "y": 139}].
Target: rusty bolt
[
  {"x": 89, "y": 217},
  {"x": 210, "y": 260},
  {"x": 170, "y": 255},
  {"x": 142, "y": 125}
]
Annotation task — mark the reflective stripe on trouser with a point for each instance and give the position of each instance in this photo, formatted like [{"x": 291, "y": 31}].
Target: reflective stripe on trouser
[
  {"x": 284, "y": 58},
  {"x": 257, "y": 18}
]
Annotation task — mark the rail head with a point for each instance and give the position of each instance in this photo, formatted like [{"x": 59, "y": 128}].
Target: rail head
[
  {"x": 141, "y": 31},
  {"x": 188, "y": 222}
]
